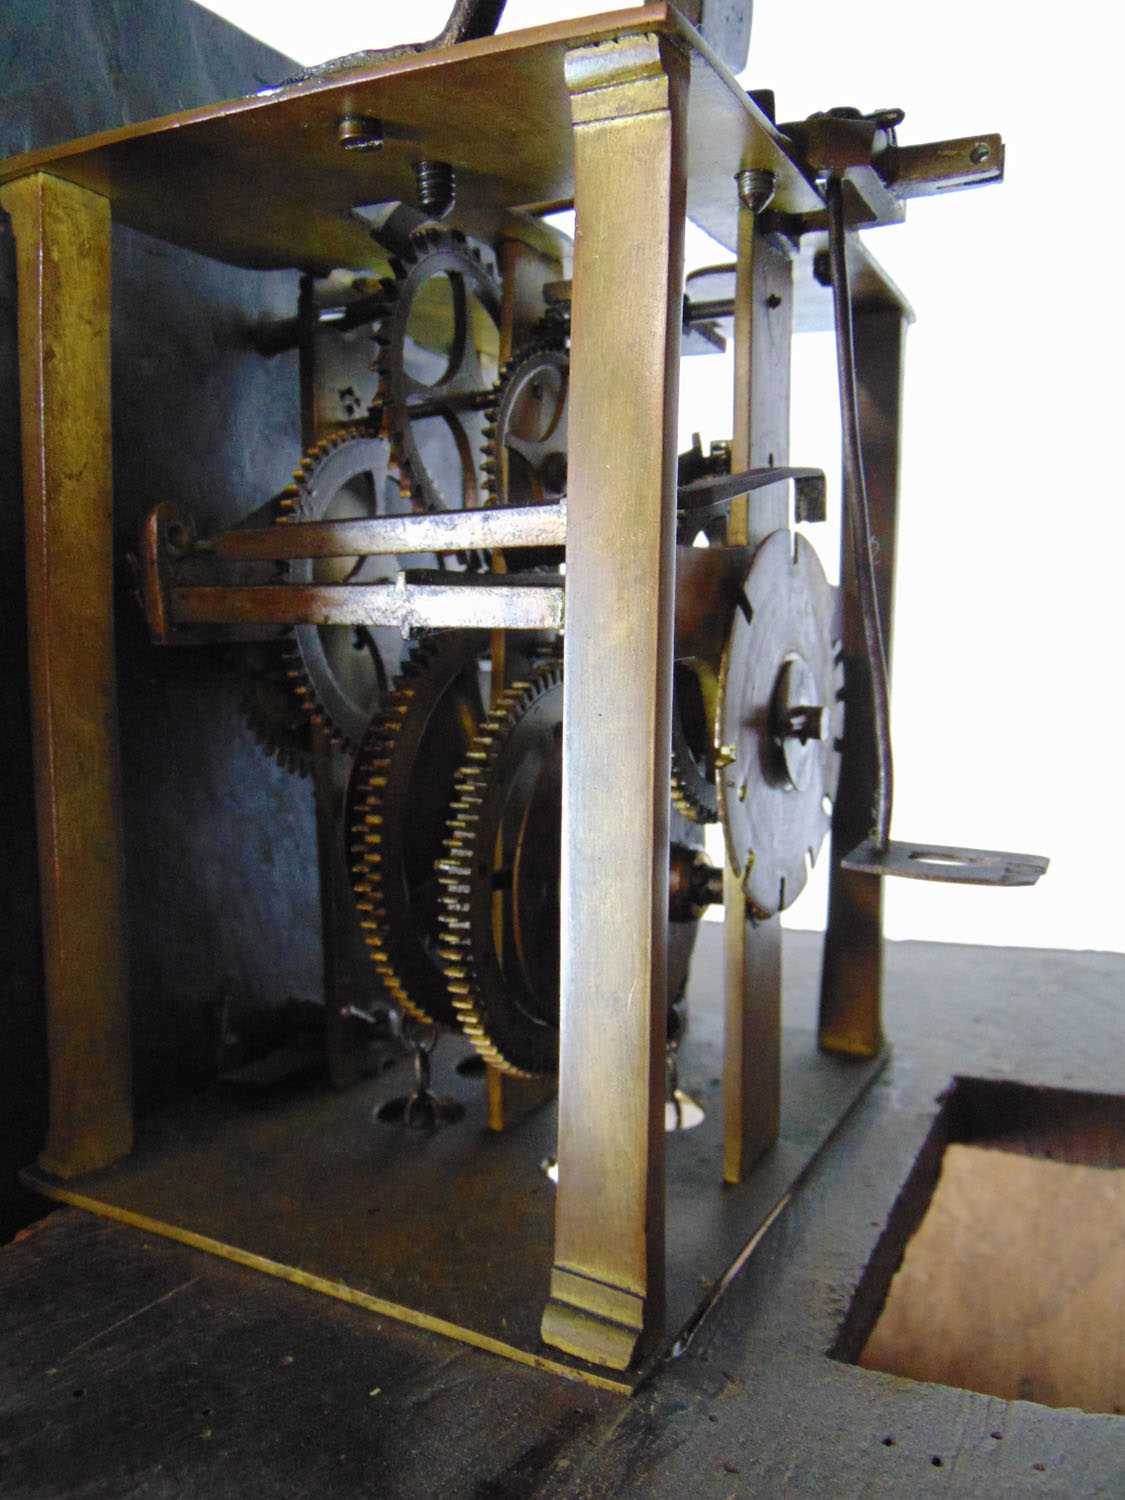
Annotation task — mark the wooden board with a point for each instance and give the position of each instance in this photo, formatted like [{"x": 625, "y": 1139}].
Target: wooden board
[{"x": 1013, "y": 1283}]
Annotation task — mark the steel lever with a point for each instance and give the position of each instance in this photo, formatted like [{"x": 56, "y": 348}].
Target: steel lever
[{"x": 945, "y": 862}]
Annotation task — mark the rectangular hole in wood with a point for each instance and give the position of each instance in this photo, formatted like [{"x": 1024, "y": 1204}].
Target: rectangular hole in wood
[{"x": 1002, "y": 1264}]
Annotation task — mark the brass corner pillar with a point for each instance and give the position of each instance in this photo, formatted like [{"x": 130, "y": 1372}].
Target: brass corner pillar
[
  {"x": 62, "y": 235},
  {"x": 851, "y": 992},
  {"x": 752, "y": 973},
  {"x": 628, "y": 102}
]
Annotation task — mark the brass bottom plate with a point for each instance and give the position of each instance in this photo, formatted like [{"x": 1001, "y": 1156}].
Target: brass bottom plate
[{"x": 453, "y": 1232}]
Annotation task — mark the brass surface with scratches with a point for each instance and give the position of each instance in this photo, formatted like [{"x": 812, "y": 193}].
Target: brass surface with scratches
[
  {"x": 629, "y": 101},
  {"x": 62, "y": 235}
]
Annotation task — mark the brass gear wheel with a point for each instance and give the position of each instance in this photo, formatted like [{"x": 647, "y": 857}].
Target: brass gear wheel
[
  {"x": 330, "y": 675},
  {"x": 695, "y": 795},
  {"x": 397, "y": 803},
  {"x": 337, "y": 672},
  {"x": 500, "y": 1006},
  {"x": 499, "y": 875},
  {"x": 526, "y": 440},
  {"x": 526, "y": 435},
  {"x": 276, "y": 718},
  {"x": 441, "y": 286}
]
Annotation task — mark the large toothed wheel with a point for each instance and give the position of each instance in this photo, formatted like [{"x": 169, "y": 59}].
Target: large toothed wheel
[
  {"x": 436, "y": 335},
  {"x": 328, "y": 675},
  {"x": 499, "y": 872},
  {"x": 398, "y": 802},
  {"x": 526, "y": 440}
]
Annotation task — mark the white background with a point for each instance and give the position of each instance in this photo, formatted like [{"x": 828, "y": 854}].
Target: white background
[{"x": 1008, "y": 681}]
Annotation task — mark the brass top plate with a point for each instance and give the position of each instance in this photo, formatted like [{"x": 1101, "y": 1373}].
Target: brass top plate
[{"x": 263, "y": 181}]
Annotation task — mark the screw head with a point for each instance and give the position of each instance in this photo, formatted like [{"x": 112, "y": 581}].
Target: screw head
[
  {"x": 980, "y": 153},
  {"x": 360, "y": 133}
]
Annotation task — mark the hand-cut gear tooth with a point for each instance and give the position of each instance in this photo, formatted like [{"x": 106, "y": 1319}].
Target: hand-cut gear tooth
[
  {"x": 432, "y": 251},
  {"x": 458, "y": 860},
  {"x": 513, "y": 374},
  {"x": 300, "y": 500},
  {"x": 375, "y": 796}
]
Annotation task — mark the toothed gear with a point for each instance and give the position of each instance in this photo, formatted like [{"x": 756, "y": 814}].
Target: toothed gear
[
  {"x": 274, "y": 716},
  {"x": 422, "y": 451},
  {"x": 525, "y": 439},
  {"x": 338, "y": 672},
  {"x": 398, "y": 800},
  {"x": 695, "y": 795},
  {"x": 499, "y": 872},
  {"x": 525, "y": 449}
]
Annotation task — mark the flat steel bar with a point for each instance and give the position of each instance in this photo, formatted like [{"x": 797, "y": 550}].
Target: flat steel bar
[
  {"x": 852, "y": 977},
  {"x": 439, "y": 606},
  {"x": 941, "y": 166},
  {"x": 62, "y": 236},
  {"x": 607, "y": 1283},
  {"x": 752, "y": 966},
  {"x": 386, "y": 536},
  {"x": 946, "y": 863}
]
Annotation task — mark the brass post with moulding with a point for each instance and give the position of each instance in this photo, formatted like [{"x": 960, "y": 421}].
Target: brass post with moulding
[
  {"x": 63, "y": 276},
  {"x": 628, "y": 100}
]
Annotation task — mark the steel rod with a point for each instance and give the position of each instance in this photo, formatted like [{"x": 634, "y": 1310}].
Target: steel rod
[{"x": 855, "y": 500}]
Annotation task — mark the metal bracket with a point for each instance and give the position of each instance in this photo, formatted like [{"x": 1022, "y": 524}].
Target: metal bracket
[
  {"x": 704, "y": 497},
  {"x": 943, "y": 862},
  {"x": 724, "y": 25}
]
